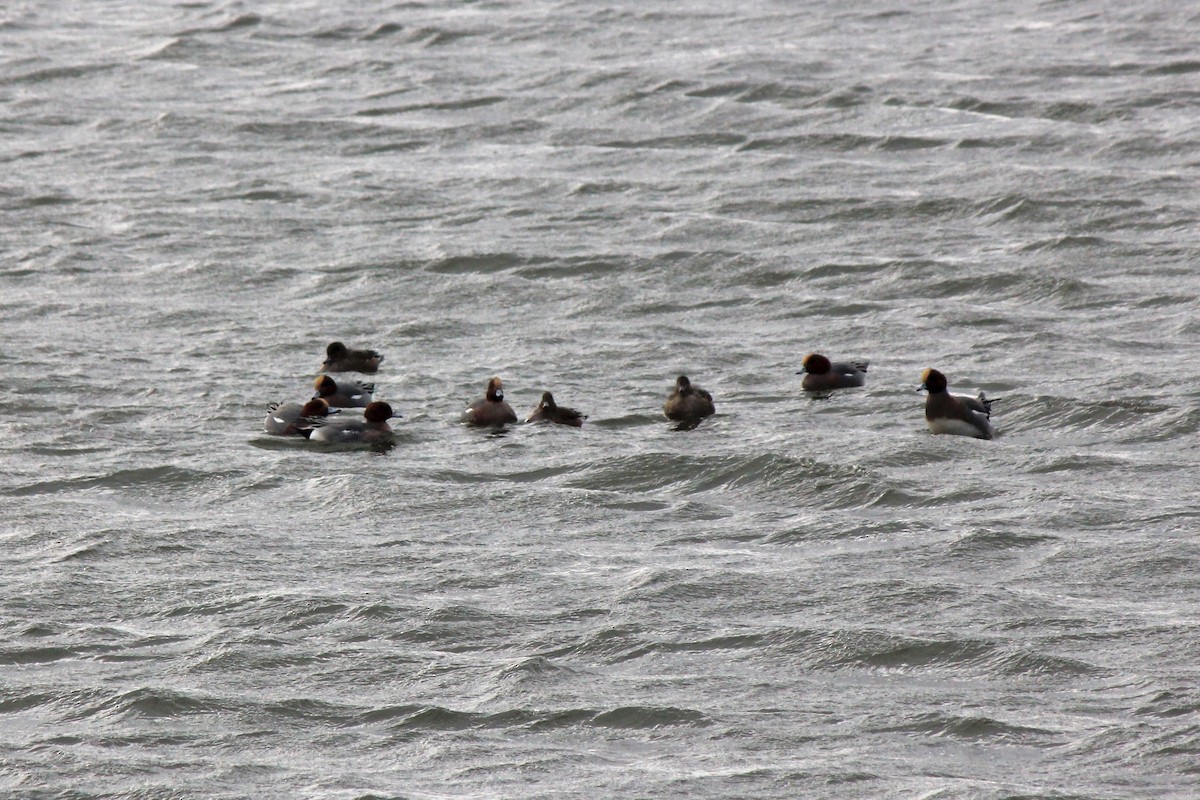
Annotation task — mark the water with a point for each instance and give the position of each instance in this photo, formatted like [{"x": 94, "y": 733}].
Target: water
[{"x": 800, "y": 598}]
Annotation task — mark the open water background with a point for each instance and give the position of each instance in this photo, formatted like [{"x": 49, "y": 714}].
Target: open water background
[{"x": 798, "y": 599}]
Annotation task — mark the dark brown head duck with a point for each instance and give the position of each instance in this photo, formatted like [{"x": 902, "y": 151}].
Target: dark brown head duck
[
  {"x": 371, "y": 428},
  {"x": 549, "y": 411},
  {"x": 688, "y": 403},
  {"x": 823, "y": 375},
  {"x": 955, "y": 414},
  {"x": 339, "y": 358},
  {"x": 343, "y": 393},
  {"x": 491, "y": 409}
]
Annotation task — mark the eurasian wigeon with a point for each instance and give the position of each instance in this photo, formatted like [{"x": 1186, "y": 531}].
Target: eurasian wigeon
[
  {"x": 293, "y": 419},
  {"x": 491, "y": 409},
  {"x": 339, "y": 358},
  {"x": 549, "y": 411},
  {"x": 371, "y": 428},
  {"x": 688, "y": 403},
  {"x": 343, "y": 393},
  {"x": 960, "y": 415},
  {"x": 823, "y": 375}
]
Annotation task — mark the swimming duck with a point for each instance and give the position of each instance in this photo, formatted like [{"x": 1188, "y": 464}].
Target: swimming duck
[
  {"x": 822, "y": 375},
  {"x": 371, "y": 428},
  {"x": 339, "y": 358},
  {"x": 293, "y": 419},
  {"x": 550, "y": 411},
  {"x": 688, "y": 403},
  {"x": 960, "y": 415},
  {"x": 343, "y": 393},
  {"x": 491, "y": 409}
]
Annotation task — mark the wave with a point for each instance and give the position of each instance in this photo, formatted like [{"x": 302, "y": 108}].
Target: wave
[
  {"x": 413, "y": 717},
  {"x": 15, "y": 656},
  {"x": 464, "y": 104},
  {"x": 840, "y": 143},
  {"x": 168, "y": 477},
  {"x": 238, "y": 22},
  {"x": 430, "y": 36},
  {"x": 1053, "y": 110},
  {"x": 992, "y": 541},
  {"x": 649, "y": 717},
  {"x": 1171, "y": 703},
  {"x": 482, "y": 263},
  {"x": 977, "y": 728},
  {"x": 153, "y": 703},
  {"x": 1186, "y": 67},
  {"x": 764, "y": 473},
  {"x": 1127, "y": 418},
  {"x": 691, "y": 141},
  {"x": 51, "y": 74}
]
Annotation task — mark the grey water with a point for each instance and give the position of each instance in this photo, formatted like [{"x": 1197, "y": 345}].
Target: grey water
[{"x": 800, "y": 598}]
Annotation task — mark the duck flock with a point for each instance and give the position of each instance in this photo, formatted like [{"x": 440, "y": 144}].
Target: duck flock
[{"x": 324, "y": 417}]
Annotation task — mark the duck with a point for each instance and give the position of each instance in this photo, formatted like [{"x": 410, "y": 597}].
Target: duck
[
  {"x": 294, "y": 419},
  {"x": 955, "y": 414},
  {"x": 339, "y": 358},
  {"x": 688, "y": 403},
  {"x": 491, "y": 409},
  {"x": 371, "y": 428},
  {"x": 549, "y": 411},
  {"x": 343, "y": 393},
  {"x": 823, "y": 375}
]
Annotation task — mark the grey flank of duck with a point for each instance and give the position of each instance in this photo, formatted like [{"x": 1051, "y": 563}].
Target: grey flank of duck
[
  {"x": 343, "y": 392},
  {"x": 823, "y": 375},
  {"x": 371, "y": 428},
  {"x": 293, "y": 419}
]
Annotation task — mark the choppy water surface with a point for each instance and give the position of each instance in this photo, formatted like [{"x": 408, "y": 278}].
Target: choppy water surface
[{"x": 799, "y": 598}]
